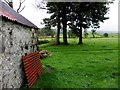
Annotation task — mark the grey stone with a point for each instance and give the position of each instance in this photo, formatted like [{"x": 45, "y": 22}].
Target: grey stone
[{"x": 11, "y": 74}]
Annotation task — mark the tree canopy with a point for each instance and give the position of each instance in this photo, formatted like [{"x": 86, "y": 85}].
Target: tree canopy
[
  {"x": 87, "y": 14},
  {"x": 76, "y": 15}
]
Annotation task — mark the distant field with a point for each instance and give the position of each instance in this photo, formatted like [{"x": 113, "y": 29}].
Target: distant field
[
  {"x": 110, "y": 35},
  {"x": 91, "y": 65},
  {"x": 75, "y": 40}
]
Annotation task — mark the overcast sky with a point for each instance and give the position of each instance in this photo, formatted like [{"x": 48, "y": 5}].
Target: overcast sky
[{"x": 36, "y": 16}]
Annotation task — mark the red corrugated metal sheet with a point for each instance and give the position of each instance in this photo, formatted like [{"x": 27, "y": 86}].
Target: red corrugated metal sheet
[
  {"x": 7, "y": 12},
  {"x": 32, "y": 67},
  {"x": 7, "y": 15}
]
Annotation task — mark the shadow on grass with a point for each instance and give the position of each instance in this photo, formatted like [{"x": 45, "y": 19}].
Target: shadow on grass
[{"x": 49, "y": 74}]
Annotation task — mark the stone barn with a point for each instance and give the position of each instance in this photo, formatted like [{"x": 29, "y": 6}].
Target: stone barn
[{"x": 18, "y": 37}]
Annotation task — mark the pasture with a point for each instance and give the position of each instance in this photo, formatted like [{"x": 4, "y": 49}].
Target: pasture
[{"x": 94, "y": 64}]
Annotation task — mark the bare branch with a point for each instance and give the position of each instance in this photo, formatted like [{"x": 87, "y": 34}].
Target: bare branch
[
  {"x": 20, "y": 4},
  {"x": 21, "y": 9},
  {"x": 22, "y": 1}
]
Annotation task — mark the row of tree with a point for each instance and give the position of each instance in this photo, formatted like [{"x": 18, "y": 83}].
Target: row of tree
[{"x": 77, "y": 16}]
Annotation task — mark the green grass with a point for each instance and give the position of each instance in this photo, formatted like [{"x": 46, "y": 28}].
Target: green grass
[{"x": 94, "y": 64}]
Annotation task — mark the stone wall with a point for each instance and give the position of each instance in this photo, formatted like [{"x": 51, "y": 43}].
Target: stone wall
[{"x": 15, "y": 41}]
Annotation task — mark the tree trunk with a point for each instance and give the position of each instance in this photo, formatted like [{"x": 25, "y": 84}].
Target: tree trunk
[
  {"x": 58, "y": 34},
  {"x": 65, "y": 33},
  {"x": 52, "y": 36},
  {"x": 80, "y": 36},
  {"x": 93, "y": 35},
  {"x": 64, "y": 22},
  {"x": 58, "y": 27}
]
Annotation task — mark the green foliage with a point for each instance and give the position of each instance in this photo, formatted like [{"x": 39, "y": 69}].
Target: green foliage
[
  {"x": 93, "y": 32},
  {"x": 105, "y": 34},
  {"x": 51, "y": 43},
  {"x": 80, "y": 15},
  {"x": 85, "y": 33},
  {"x": 54, "y": 9},
  {"x": 47, "y": 23},
  {"x": 87, "y": 14},
  {"x": 71, "y": 34},
  {"x": 43, "y": 41},
  {"x": 46, "y": 32}
]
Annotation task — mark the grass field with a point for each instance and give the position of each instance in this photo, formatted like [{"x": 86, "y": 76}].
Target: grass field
[{"x": 91, "y": 65}]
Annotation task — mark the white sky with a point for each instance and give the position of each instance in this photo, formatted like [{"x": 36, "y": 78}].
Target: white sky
[{"x": 36, "y": 16}]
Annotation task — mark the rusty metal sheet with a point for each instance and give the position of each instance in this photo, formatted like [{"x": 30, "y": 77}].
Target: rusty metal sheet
[
  {"x": 7, "y": 12},
  {"x": 32, "y": 67},
  {"x": 7, "y": 15}
]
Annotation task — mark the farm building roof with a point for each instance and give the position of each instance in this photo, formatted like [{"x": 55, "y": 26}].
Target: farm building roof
[{"x": 7, "y": 12}]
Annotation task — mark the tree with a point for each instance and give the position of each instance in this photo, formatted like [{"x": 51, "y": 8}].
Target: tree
[
  {"x": 80, "y": 15},
  {"x": 79, "y": 19},
  {"x": 20, "y": 8},
  {"x": 59, "y": 12},
  {"x": 85, "y": 33},
  {"x": 64, "y": 23},
  {"x": 54, "y": 8},
  {"x": 58, "y": 26},
  {"x": 87, "y": 14},
  {"x": 47, "y": 23},
  {"x": 71, "y": 34},
  {"x": 93, "y": 32},
  {"x": 46, "y": 32},
  {"x": 105, "y": 34},
  {"x": 47, "y": 29}
]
